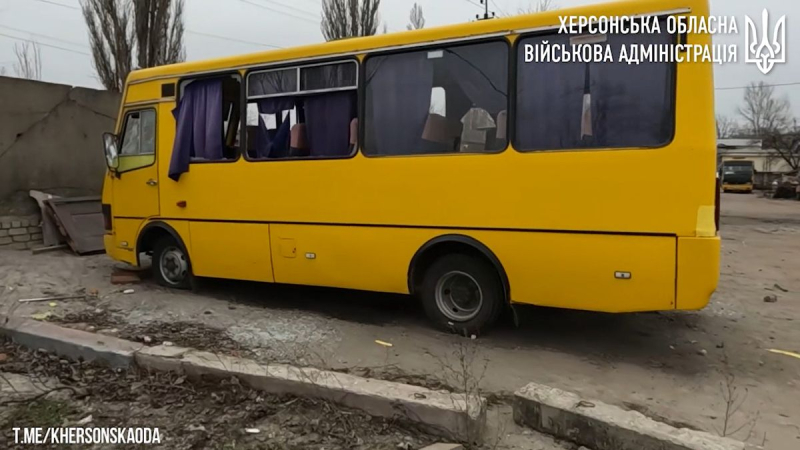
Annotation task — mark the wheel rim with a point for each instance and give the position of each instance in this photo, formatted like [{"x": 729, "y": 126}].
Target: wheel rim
[
  {"x": 459, "y": 296},
  {"x": 173, "y": 265}
]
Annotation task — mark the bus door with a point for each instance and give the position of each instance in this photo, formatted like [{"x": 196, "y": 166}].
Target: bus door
[{"x": 135, "y": 184}]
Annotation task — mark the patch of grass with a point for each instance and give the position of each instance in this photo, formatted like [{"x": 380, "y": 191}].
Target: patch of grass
[{"x": 41, "y": 413}]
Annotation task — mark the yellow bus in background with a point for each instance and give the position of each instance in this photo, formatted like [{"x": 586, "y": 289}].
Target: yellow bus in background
[
  {"x": 737, "y": 176},
  {"x": 436, "y": 163}
]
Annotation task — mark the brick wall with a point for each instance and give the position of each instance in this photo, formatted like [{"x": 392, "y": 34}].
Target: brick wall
[{"x": 20, "y": 233}]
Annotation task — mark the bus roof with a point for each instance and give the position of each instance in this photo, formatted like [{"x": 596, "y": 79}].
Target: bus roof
[{"x": 500, "y": 26}]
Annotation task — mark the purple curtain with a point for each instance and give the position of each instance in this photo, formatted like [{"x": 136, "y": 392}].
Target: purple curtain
[
  {"x": 399, "y": 88},
  {"x": 199, "y": 122},
  {"x": 631, "y": 104},
  {"x": 279, "y": 148},
  {"x": 328, "y": 119},
  {"x": 549, "y": 100},
  {"x": 265, "y": 144}
]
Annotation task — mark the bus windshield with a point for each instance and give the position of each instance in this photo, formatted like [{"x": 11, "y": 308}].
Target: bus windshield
[{"x": 738, "y": 169}]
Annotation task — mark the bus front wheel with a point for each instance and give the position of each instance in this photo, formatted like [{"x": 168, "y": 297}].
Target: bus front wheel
[
  {"x": 462, "y": 293},
  {"x": 171, "y": 264}
]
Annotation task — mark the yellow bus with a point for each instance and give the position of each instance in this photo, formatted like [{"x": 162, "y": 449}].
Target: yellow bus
[
  {"x": 437, "y": 163},
  {"x": 737, "y": 176}
]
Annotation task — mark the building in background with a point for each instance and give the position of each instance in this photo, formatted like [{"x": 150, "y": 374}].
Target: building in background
[{"x": 768, "y": 164}]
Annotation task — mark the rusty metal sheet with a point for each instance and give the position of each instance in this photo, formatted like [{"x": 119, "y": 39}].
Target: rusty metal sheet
[{"x": 80, "y": 220}]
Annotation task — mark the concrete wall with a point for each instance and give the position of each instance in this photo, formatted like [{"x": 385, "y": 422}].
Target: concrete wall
[{"x": 51, "y": 136}]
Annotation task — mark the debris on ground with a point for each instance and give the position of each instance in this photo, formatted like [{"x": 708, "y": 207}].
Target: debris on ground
[
  {"x": 785, "y": 353},
  {"x": 119, "y": 276},
  {"x": 778, "y": 287},
  {"x": 770, "y": 299},
  {"x": 190, "y": 414},
  {"x": 397, "y": 375},
  {"x": 50, "y": 248},
  {"x": 207, "y": 338},
  {"x": 383, "y": 343},
  {"x": 786, "y": 187},
  {"x": 42, "y": 316},
  {"x": 98, "y": 318},
  {"x": 183, "y": 334},
  {"x": 86, "y": 420},
  {"x": 58, "y": 297}
]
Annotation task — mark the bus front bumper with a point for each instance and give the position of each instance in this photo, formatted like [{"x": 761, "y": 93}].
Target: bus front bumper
[
  {"x": 737, "y": 187},
  {"x": 118, "y": 252}
]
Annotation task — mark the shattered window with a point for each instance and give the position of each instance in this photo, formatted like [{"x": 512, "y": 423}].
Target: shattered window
[{"x": 140, "y": 133}]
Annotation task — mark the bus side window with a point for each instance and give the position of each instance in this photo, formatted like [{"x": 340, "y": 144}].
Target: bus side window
[
  {"x": 206, "y": 104},
  {"x": 302, "y": 112},
  {"x": 577, "y": 105},
  {"x": 439, "y": 101},
  {"x": 232, "y": 121}
]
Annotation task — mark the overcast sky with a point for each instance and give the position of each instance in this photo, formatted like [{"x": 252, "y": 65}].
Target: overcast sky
[{"x": 254, "y": 25}]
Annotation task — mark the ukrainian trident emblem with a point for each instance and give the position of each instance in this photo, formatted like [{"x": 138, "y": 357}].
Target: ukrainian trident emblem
[{"x": 768, "y": 52}]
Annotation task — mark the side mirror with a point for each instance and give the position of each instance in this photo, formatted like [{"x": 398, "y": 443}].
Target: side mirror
[{"x": 111, "y": 150}]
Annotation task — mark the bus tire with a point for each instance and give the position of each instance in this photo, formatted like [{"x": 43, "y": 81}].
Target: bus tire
[
  {"x": 171, "y": 264},
  {"x": 462, "y": 294}
]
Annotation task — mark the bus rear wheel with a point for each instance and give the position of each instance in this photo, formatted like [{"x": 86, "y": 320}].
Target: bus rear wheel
[
  {"x": 171, "y": 264},
  {"x": 462, "y": 294}
]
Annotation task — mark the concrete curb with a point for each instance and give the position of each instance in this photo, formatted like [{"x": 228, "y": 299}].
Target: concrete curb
[
  {"x": 605, "y": 427},
  {"x": 441, "y": 413},
  {"x": 74, "y": 344},
  {"x": 438, "y": 412}
]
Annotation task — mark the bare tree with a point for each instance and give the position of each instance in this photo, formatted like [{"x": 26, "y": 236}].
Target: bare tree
[
  {"x": 29, "y": 61},
  {"x": 349, "y": 18},
  {"x": 784, "y": 146},
  {"x": 540, "y": 6},
  {"x": 159, "y": 32},
  {"x": 149, "y": 32},
  {"x": 416, "y": 18},
  {"x": 2, "y": 71},
  {"x": 111, "y": 38},
  {"x": 726, "y": 127},
  {"x": 764, "y": 113}
]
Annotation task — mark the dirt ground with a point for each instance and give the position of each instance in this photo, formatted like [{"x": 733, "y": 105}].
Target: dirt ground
[
  {"x": 42, "y": 390},
  {"x": 680, "y": 366}
]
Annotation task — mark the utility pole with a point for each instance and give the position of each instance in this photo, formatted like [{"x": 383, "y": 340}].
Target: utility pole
[{"x": 486, "y": 15}]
